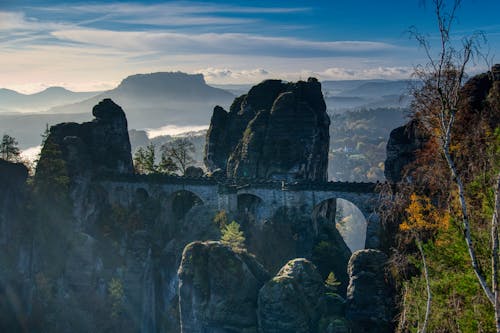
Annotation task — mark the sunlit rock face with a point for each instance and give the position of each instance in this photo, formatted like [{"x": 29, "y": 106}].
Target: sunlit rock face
[
  {"x": 276, "y": 131},
  {"x": 99, "y": 146},
  {"x": 218, "y": 289}
]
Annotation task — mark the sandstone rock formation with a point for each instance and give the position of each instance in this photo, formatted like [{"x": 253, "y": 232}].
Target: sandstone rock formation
[
  {"x": 97, "y": 147},
  {"x": 276, "y": 131},
  {"x": 290, "y": 302},
  {"x": 480, "y": 98},
  {"x": 369, "y": 297},
  {"x": 14, "y": 247},
  {"x": 12, "y": 200},
  {"x": 218, "y": 289},
  {"x": 403, "y": 144}
]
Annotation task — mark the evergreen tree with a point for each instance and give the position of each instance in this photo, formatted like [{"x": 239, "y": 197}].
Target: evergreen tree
[
  {"x": 144, "y": 160},
  {"x": 9, "y": 150},
  {"x": 233, "y": 237},
  {"x": 331, "y": 283}
]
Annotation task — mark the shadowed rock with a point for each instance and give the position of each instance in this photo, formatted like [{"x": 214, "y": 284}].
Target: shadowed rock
[
  {"x": 291, "y": 301},
  {"x": 369, "y": 301},
  {"x": 99, "y": 146},
  {"x": 277, "y": 131},
  {"x": 402, "y": 147},
  {"x": 218, "y": 289}
]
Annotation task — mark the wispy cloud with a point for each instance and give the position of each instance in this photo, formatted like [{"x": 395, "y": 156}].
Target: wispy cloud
[
  {"x": 172, "y": 13},
  {"x": 84, "y": 47},
  {"x": 222, "y": 43}
]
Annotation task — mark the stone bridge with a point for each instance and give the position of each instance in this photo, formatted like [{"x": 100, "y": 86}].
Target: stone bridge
[{"x": 267, "y": 196}]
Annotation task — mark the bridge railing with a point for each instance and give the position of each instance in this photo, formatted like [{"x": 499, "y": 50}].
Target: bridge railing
[{"x": 240, "y": 183}]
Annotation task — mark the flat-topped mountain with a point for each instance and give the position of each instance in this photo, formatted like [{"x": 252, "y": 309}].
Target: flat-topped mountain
[{"x": 157, "y": 98}]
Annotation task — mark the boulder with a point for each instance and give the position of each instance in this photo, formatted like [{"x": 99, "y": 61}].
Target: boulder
[
  {"x": 369, "y": 295},
  {"x": 276, "y": 131},
  {"x": 218, "y": 289},
  {"x": 292, "y": 300},
  {"x": 194, "y": 172}
]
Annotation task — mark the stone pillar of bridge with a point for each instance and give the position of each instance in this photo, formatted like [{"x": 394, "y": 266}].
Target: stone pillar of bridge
[{"x": 373, "y": 230}]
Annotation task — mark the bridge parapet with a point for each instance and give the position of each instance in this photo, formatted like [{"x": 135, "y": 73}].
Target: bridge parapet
[{"x": 233, "y": 185}]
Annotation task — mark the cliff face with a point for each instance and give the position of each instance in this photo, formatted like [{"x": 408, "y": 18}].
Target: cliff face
[
  {"x": 401, "y": 150},
  {"x": 210, "y": 299},
  {"x": 96, "y": 147},
  {"x": 277, "y": 131},
  {"x": 370, "y": 304},
  {"x": 14, "y": 246},
  {"x": 479, "y": 105}
]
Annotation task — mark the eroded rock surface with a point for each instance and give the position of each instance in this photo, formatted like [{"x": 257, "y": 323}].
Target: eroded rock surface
[
  {"x": 96, "y": 147},
  {"x": 369, "y": 298},
  {"x": 276, "y": 131},
  {"x": 293, "y": 300},
  {"x": 218, "y": 289},
  {"x": 402, "y": 147}
]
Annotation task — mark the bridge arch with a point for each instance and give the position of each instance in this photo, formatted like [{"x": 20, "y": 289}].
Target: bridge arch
[
  {"x": 250, "y": 205},
  {"x": 360, "y": 204},
  {"x": 348, "y": 219},
  {"x": 181, "y": 202}
]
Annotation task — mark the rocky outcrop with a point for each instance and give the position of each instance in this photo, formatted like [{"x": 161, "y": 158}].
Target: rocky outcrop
[
  {"x": 369, "y": 297},
  {"x": 15, "y": 259},
  {"x": 218, "y": 289},
  {"x": 291, "y": 301},
  {"x": 276, "y": 131},
  {"x": 13, "y": 178},
  {"x": 97, "y": 147},
  {"x": 402, "y": 147}
]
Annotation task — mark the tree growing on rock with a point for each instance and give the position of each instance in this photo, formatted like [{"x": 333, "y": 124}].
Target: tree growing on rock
[
  {"x": 233, "y": 237},
  {"x": 9, "y": 149}
]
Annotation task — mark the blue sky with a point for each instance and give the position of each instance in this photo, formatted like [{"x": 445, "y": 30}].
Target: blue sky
[{"x": 93, "y": 45}]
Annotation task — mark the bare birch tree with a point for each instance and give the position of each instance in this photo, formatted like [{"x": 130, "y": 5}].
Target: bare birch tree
[{"x": 436, "y": 106}]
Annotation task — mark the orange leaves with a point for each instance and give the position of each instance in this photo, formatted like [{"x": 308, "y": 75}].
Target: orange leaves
[{"x": 423, "y": 216}]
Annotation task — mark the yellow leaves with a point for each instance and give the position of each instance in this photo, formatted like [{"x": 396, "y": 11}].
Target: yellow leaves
[
  {"x": 455, "y": 147},
  {"x": 422, "y": 215}
]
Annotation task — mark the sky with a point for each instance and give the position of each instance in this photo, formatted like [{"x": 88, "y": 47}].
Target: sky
[{"x": 93, "y": 45}]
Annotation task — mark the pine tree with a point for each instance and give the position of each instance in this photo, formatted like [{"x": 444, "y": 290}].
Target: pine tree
[
  {"x": 9, "y": 150},
  {"x": 331, "y": 283},
  {"x": 233, "y": 237}
]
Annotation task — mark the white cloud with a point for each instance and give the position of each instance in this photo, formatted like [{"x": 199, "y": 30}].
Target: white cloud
[
  {"x": 173, "y": 130},
  {"x": 336, "y": 73},
  {"x": 219, "y": 43},
  {"x": 226, "y": 75}
]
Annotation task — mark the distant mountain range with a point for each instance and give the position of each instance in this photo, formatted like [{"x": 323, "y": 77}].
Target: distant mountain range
[
  {"x": 347, "y": 95},
  {"x": 168, "y": 98},
  {"x": 12, "y": 101}
]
